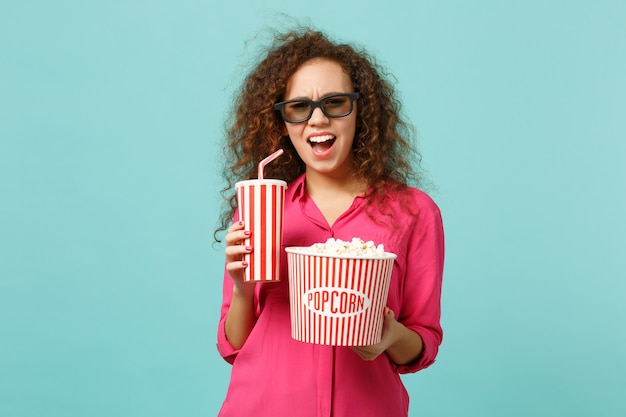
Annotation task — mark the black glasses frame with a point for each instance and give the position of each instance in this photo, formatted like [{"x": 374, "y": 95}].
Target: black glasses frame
[{"x": 314, "y": 105}]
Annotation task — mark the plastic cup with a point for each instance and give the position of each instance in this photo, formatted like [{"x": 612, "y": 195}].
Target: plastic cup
[
  {"x": 261, "y": 206},
  {"x": 337, "y": 300}
]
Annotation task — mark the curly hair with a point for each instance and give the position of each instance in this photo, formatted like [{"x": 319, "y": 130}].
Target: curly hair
[{"x": 384, "y": 155}]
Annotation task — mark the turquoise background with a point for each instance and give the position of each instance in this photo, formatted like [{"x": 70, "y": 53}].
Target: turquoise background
[{"x": 111, "y": 115}]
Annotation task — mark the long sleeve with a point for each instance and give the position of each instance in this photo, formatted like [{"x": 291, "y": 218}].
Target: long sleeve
[
  {"x": 420, "y": 295},
  {"x": 223, "y": 346}
]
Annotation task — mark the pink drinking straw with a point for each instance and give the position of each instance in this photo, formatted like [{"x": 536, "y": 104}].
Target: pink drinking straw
[{"x": 267, "y": 161}]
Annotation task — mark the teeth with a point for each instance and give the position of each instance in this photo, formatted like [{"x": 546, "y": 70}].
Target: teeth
[{"x": 320, "y": 139}]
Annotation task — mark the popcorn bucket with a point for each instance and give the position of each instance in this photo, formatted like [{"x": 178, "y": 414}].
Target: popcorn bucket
[{"x": 337, "y": 300}]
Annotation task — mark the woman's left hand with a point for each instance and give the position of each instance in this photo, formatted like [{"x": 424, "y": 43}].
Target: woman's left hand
[{"x": 389, "y": 337}]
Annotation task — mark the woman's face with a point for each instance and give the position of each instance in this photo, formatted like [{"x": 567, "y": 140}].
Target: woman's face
[{"x": 323, "y": 143}]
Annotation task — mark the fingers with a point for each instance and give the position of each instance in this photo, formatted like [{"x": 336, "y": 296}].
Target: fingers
[
  {"x": 236, "y": 234},
  {"x": 235, "y": 238},
  {"x": 358, "y": 351},
  {"x": 367, "y": 353},
  {"x": 236, "y": 252},
  {"x": 236, "y": 248},
  {"x": 389, "y": 313}
]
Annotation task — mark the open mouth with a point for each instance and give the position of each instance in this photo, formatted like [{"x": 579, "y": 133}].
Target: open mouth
[{"x": 321, "y": 143}]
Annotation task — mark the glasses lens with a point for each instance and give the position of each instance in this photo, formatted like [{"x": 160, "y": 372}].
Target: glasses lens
[
  {"x": 337, "y": 106},
  {"x": 297, "y": 110}
]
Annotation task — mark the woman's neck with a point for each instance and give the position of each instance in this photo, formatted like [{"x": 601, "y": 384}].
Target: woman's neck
[{"x": 334, "y": 186}]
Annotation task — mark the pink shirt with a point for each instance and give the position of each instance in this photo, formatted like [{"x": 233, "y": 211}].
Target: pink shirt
[{"x": 274, "y": 375}]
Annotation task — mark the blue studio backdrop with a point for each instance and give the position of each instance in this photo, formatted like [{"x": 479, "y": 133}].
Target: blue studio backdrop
[{"x": 111, "y": 122}]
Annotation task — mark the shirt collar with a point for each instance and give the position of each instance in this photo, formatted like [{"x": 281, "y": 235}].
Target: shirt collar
[{"x": 297, "y": 186}]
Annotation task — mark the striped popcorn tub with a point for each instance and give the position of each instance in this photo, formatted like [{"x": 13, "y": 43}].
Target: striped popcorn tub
[{"x": 337, "y": 299}]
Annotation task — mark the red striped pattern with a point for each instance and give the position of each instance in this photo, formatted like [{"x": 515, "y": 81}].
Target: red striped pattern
[
  {"x": 337, "y": 301},
  {"x": 261, "y": 206}
]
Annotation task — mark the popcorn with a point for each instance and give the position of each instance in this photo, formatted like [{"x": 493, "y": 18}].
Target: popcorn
[{"x": 357, "y": 248}]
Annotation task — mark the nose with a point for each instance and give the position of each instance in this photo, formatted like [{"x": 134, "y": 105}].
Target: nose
[{"x": 318, "y": 117}]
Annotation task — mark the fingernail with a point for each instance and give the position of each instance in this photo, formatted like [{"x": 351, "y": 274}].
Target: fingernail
[
  {"x": 248, "y": 248},
  {"x": 247, "y": 233},
  {"x": 244, "y": 263},
  {"x": 240, "y": 223}
]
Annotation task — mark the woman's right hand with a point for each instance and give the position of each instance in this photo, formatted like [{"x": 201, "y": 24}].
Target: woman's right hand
[
  {"x": 234, "y": 251},
  {"x": 241, "y": 317}
]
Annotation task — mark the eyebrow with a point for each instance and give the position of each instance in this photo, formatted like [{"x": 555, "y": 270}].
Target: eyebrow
[{"x": 321, "y": 98}]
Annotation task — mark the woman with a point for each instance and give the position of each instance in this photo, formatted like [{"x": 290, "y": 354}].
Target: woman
[{"x": 348, "y": 166}]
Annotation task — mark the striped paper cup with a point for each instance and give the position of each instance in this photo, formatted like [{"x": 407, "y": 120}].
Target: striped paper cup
[
  {"x": 261, "y": 205},
  {"x": 337, "y": 300}
]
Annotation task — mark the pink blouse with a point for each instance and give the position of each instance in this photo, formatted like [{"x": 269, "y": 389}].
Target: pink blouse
[{"x": 274, "y": 375}]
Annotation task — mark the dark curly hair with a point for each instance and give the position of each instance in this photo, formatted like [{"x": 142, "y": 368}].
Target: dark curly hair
[{"x": 384, "y": 154}]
